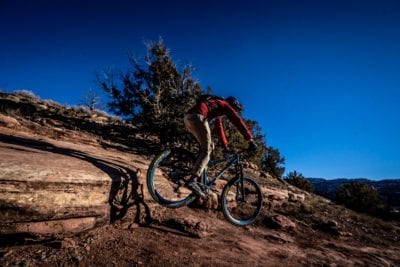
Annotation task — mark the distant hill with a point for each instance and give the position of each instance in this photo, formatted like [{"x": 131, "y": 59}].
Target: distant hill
[{"x": 388, "y": 189}]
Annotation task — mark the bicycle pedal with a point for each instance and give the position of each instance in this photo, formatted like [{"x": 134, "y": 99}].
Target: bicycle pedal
[{"x": 196, "y": 188}]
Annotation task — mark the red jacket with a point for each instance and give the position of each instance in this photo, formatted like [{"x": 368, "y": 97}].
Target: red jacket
[{"x": 215, "y": 109}]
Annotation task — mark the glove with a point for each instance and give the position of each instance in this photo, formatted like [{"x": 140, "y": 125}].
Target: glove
[{"x": 252, "y": 146}]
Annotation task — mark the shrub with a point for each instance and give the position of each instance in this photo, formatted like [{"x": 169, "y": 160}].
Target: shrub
[
  {"x": 360, "y": 197},
  {"x": 273, "y": 163},
  {"x": 91, "y": 100},
  {"x": 50, "y": 102},
  {"x": 26, "y": 93},
  {"x": 298, "y": 180}
]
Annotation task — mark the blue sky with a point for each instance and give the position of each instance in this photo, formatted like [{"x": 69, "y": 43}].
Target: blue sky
[{"x": 321, "y": 77}]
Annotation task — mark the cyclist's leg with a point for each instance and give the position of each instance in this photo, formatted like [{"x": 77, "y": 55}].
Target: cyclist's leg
[{"x": 199, "y": 127}]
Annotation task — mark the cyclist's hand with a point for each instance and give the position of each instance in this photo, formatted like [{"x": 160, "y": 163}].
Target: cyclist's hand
[
  {"x": 252, "y": 146},
  {"x": 228, "y": 150}
]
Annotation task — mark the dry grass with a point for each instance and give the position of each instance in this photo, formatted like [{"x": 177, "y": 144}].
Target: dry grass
[
  {"x": 26, "y": 93},
  {"x": 51, "y": 102},
  {"x": 307, "y": 208}
]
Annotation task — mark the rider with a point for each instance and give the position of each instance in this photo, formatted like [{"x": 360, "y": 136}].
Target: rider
[{"x": 212, "y": 108}]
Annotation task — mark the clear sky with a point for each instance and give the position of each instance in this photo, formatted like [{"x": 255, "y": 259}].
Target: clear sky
[{"x": 321, "y": 77}]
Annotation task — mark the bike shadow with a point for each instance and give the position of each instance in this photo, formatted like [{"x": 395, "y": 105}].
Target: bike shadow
[{"x": 125, "y": 193}]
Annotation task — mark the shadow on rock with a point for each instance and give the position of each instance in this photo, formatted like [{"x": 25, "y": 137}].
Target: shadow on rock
[{"x": 125, "y": 191}]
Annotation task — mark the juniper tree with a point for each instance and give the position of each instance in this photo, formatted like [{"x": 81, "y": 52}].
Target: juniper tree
[{"x": 154, "y": 94}]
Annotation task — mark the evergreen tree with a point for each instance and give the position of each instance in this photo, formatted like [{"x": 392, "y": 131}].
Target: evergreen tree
[{"x": 155, "y": 95}]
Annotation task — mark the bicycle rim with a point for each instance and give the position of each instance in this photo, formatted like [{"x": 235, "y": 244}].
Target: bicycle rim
[
  {"x": 167, "y": 175},
  {"x": 238, "y": 209}
]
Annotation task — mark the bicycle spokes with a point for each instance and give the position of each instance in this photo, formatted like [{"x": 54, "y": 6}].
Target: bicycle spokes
[
  {"x": 242, "y": 202},
  {"x": 172, "y": 173}
]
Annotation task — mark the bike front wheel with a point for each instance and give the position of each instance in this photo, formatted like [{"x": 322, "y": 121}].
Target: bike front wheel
[
  {"x": 167, "y": 177},
  {"x": 241, "y": 202}
]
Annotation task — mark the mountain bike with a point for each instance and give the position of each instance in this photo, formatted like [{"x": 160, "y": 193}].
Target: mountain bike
[{"x": 241, "y": 197}]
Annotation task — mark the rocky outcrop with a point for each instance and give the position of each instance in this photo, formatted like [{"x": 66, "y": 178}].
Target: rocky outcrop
[
  {"x": 8, "y": 121},
  {"x": 189, "y": 225},
  {"x": 50, "y": 187},
  {"x": 280, "y": 222}
]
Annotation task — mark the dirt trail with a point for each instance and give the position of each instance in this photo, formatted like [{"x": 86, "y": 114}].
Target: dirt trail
[{"x": 166, "y": 242}]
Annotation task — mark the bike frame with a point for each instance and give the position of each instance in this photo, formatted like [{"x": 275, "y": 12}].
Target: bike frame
[{"x": 235, "y": 159}]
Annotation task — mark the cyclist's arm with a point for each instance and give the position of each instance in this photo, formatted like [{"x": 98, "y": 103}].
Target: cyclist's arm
[
  {"x": 237, "y": 121},
  {"x": 219, "y": 131}
]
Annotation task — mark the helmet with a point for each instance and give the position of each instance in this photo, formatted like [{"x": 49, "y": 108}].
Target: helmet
[{"x": 234, "y": 103}]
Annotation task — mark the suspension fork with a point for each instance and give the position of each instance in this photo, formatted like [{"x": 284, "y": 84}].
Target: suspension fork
[
  {"x": 239, "y": 172},
  {"x": 204, "y": 180}
]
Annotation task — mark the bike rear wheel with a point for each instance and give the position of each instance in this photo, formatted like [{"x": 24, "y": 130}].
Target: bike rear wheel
[
  {"x": 167, "y": 176},
  {"x": 241, "y": 209}
]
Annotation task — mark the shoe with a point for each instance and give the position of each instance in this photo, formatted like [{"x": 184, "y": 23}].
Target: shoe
[{"x": 196, "y": 189}]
